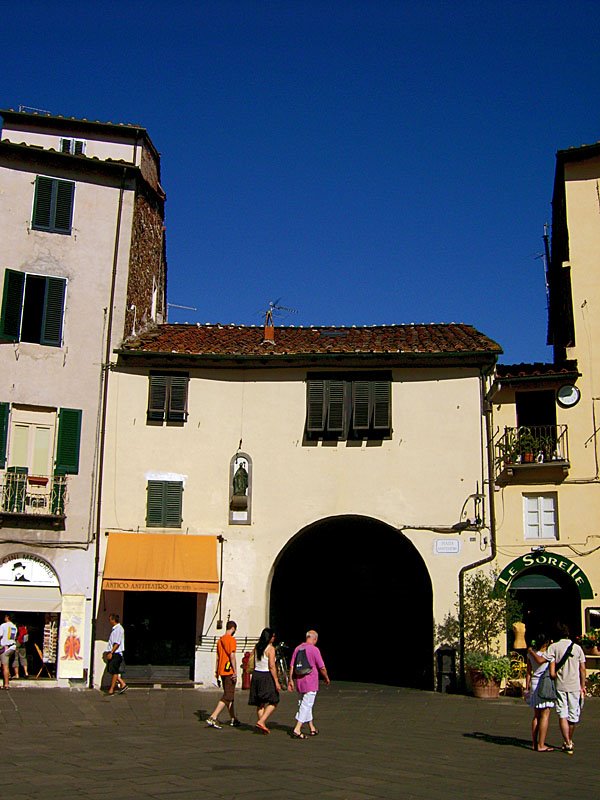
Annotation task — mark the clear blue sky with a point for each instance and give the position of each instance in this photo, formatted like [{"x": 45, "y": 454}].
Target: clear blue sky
[{"x": 368, "y": 162}]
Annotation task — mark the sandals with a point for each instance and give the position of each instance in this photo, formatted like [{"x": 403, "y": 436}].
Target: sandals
[
  {"x": 314, "y": 733},
  {"x": 261, "y": 729},
  {"x": 295, "y": 735}
]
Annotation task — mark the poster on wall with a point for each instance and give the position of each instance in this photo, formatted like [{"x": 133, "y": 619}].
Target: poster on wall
[
  {"x": 71, "y": 637},
  {"x": 26, "y": 570}
]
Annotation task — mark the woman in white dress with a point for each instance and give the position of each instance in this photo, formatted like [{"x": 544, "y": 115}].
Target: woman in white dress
[{"x": 541, "y": 708}]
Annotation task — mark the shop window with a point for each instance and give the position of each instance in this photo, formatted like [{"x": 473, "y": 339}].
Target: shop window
[
  {"x": 592, "y": 619},
  {"x": 164, "y": 504},
  {"x": 53, "y": 205},
  {"x": 348, "y": 407},
  {"x": 168, "y": 397},
  {"x": 33, "y": 308},
  {"x": 540, "y": 518}
]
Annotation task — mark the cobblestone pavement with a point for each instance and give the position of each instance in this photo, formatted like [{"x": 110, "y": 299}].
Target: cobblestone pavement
[{"x": 374, "y": 742}]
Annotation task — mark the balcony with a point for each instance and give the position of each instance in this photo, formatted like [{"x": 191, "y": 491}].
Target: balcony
[
  {"x": 532, "y": 454},
  {"x": 28, "y": 498}
]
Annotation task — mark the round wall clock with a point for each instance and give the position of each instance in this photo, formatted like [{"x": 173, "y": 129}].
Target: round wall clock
[{"x": 568, "y": 396}]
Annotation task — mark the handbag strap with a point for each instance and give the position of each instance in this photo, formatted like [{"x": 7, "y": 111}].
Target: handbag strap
[{"x": 566, "y": 655}]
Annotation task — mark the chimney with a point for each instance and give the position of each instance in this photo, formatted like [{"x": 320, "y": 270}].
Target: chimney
[{"x": 269, "y": 334}]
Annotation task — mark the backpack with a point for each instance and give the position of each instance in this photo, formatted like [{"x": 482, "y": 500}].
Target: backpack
[{"x": 302, "y": 666}]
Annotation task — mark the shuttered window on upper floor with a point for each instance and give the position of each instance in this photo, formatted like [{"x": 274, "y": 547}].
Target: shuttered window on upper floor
[
  {"x": 168, "y": 397},
  {"x": 32, "y": 308},
  {"x": 349, "y": 407},
  {"x": 53, "y": 205},
  {"x": 164, "y": 504}
]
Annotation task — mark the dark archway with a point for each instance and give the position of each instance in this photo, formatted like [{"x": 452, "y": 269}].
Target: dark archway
[
  {"x": 547, "y": 596},
  {"x": 364, "y": 587}
]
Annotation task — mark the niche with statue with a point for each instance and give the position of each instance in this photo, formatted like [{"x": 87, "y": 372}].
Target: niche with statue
[{"x": 240, "y": 489}]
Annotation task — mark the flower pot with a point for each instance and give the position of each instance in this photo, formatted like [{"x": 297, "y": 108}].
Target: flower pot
[
  {"x": 482, "y": 687},
  {"x": 591, "y": 651}
]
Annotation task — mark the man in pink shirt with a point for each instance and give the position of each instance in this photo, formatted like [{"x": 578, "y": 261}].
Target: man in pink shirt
[{"x": 307, "y": 686}]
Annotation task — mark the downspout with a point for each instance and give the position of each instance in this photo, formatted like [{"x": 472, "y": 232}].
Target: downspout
[
  {"x": 487, "y": 411},
  {"x": 105, "y": 370}
]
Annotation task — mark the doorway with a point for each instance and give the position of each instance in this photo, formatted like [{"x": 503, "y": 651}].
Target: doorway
[
  {"x": 547, "y": 596},
  {"x": 366, "y": 590}
]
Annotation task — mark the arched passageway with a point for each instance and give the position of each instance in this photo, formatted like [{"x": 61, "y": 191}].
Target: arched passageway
[
  {"x": 364, "y": 587},
  {"x": 547, "y": 596}
]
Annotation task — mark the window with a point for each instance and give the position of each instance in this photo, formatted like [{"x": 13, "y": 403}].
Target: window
[
  {"x": 164, "y": 504},
  {"x": 539, "y": 516},
  {"x": 33, "y": 442},
  {"x": 167, "y": 397},
  {"x": 349, "y": 407},
  {"x": 74, "y": 146},
  {"x": 53, "y": 205},
  {"x": 33, "y": 308}
]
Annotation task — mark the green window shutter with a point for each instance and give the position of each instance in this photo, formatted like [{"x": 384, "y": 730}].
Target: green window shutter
[
  {"x": 155, "y": 506},
  {"x": 315, "y": 406},
  {"x": 4, "y": 412},
  {"x": 78, "y": 147},
  {"x": 157, "y": 398},
  {"x": 382, "y": 405},
  {"x": 42, "y": 203},
  {"x": 69, "y": 439},
  {"x": 63, "y": 210},
  {"x": 336, "y": 406},
  {"x": 65, "y": 145},
  {"x": 12, "y": 304},
  {"x": 360, "y": 405},
  {"x": 177, "y": 411},
  {"x": 173, "y": 503},
  {"x": 52, "y": 320}
]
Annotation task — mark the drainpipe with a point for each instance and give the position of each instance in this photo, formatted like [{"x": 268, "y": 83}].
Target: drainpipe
[
  {"x": 105, "y": 371},
  {"x": 487, "y": 410}
]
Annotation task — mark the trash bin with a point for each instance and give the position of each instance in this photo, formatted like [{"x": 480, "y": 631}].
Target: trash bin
[{"x": 445, "y": 669}]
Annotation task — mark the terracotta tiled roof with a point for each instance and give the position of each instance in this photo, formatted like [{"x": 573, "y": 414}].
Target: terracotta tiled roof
[
  {"x": 240, "y": 341},
  {"x": 507, "y": 372}
]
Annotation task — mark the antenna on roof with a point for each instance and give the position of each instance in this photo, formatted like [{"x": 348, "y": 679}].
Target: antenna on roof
[
  {"x": 31, "y": 110},
  {"x": 269, "y": 325},
  {"x": 187, "y": 308}
]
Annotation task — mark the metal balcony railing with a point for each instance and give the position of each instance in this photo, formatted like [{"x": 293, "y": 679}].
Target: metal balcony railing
[
  {"x": 532, "y": 445},
  {"x": 40, "y": 495}
]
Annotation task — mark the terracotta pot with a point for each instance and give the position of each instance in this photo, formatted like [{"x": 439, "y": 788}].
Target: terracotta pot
[
  {"x": 591, "y": 651},
  {"x": 482, "y": 687}
]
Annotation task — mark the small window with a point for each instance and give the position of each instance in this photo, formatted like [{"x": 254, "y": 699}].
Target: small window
[
  {"x": 540, "y": 516},
  {"x": 75, "y": 147},
  {"x": 167, "y": 397},
  {"x": 33, "y": 308},
  {"x": 164, "y": 504},
  {"x": 352, "y": 407},
  {"x": 53, "y": 205}
]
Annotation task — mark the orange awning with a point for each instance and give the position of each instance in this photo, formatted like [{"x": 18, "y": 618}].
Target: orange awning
[{"x": 157, "y": 562}]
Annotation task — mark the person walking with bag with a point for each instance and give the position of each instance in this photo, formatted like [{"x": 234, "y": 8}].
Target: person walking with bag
[
  {"x": 226, "y": 672},
  {"x": 265, "y": 688},
  {"x": 307, "y": 662},
  {"x": 570, "y": 684},
  {"x": 539, "y": 690}
]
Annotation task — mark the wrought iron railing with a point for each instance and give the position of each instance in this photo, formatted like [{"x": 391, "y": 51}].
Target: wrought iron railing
[
  {"x": 43, "y": 495},
  {"x": 532, "y": 444}
]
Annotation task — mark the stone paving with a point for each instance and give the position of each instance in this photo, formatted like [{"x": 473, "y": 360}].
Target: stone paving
[{"x": 374, "y": 742}]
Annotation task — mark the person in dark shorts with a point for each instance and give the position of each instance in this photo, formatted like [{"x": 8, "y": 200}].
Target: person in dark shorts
[
  {"x": 226, "y": 671},
  {"x": 113, "y": 655},
  {"x": 265, "y": 688}
]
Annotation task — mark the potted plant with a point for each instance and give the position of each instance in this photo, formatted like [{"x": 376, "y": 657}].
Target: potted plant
[
  {"x": 590, "y": 642},
  {"x": 528, "y": 445},
  {"x": 487, "y": 671}
]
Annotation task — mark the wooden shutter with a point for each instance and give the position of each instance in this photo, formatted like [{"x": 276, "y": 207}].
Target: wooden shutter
[
  {"x": 78, "y": 147},
  {"x": 173, "y": 503},
  {"x": 65, "y": 145},
  {"x": 52, "y": 320},
  {"x": 12, "y": 304},
  {"x": 4, "y": 413},
  {"x": 157, "y": 398},
  {"x": 63, "y": 206},
  {"x": 360, "y": 405},
  {"x": 336, "y": 406},
  {"x": 381, "y": 401},
  {"x": 69, "y": 439},
  {"x": 42, "y": 203},
  {"x": 155, "y": 505},
  {"x": 548, "y": 516},
  {"x": 177, "y": 410},
  {"x": 315, "y": 406}
]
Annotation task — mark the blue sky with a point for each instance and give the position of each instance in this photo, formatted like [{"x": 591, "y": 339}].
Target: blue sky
[{"x": 368, "y": 162}]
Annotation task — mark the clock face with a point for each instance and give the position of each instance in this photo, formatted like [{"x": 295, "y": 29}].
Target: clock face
[{"x": 568, "y": 396}]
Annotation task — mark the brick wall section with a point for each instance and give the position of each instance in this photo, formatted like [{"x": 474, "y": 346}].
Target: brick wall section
[
  {"x": 147, "y": 261},
  {"x": 150, "y": 169}
]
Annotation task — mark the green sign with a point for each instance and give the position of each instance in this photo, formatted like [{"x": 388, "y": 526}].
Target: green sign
[{"x": 542, "y": 558}]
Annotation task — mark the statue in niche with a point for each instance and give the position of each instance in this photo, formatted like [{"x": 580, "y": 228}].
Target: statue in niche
[{"x": 240, "y": 480}]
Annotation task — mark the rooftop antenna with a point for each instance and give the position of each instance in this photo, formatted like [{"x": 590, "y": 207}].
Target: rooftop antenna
[
  {"x": 31, "y": 110},
  {"x": 176, "y": 305},
  {"x": 269, "y": 325}
]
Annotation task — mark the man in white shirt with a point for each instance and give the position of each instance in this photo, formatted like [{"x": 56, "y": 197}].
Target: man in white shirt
[
  {"x": 113, "y": 655},
  {"x": 570, "y": 684},
  {"x": 8, "y": 646}
]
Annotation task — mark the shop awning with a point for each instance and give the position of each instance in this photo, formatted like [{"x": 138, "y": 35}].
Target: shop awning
[
  {"x": 157, "y": 562},
  {"x": 30, "y": 598},
  {"x": 534, "y": 580}
]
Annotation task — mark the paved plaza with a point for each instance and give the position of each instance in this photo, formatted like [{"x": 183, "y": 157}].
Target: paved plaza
[{"x": 374, "y": 742}]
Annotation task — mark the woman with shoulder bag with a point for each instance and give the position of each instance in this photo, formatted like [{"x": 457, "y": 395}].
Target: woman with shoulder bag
[
  {"x": 539, "y": 690},
  {"x": 265, "y": 688}
]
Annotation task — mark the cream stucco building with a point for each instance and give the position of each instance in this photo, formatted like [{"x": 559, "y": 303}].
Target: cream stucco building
[
  {"x": 81, "y": 221},
  {"x": 299, "y": 477}
]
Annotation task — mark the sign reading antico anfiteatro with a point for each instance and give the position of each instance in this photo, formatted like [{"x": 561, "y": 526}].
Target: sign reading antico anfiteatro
[
  {"x": 545, "y": 559},
  {"x": 26, "y": 570}
]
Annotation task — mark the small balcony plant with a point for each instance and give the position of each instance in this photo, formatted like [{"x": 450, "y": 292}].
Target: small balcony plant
[{"x": 590, "y": 641}]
